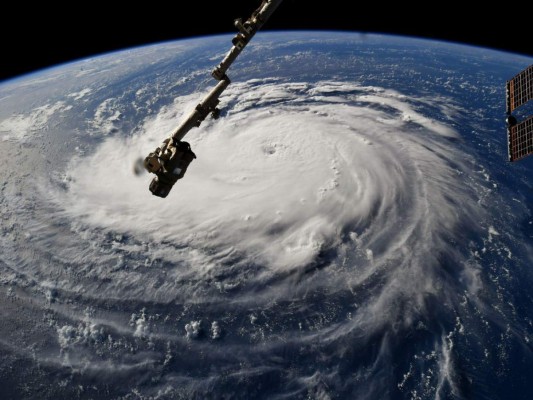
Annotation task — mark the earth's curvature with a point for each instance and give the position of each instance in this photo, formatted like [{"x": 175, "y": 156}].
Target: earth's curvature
[{"x": 351, "y": 228}]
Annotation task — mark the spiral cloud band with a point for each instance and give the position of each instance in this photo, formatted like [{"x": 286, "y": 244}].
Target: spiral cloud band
[{"x": 320, "y": 223}]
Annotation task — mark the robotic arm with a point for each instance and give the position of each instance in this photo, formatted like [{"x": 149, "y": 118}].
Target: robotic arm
[
  {"x": 169, "y": 162},
  {"x": 247, "y": 30}
]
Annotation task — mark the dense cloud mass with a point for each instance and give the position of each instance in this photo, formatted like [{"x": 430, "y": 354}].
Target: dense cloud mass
[{"x": 292, "y": 171}]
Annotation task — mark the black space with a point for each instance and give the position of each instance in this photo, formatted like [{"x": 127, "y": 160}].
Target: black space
[{"x": 39, "y": 36}]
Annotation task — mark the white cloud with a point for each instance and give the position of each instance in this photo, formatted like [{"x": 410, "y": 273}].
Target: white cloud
[
  {"x": 106, "y": 117},
  {"x": 24, "y": 126},
  {"x": 81, "y": 94},
  {"x": 193, "y": 329}
]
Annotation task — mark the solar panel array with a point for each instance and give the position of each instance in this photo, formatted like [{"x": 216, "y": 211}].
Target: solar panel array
[
  {"x": 521, "y": 139},
  {"x": 520, "y": 89},
  {"x": 520, "y": 135}
]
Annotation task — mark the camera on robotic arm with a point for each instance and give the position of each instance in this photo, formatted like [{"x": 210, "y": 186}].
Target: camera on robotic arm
[{"x": 169, "y": 163}]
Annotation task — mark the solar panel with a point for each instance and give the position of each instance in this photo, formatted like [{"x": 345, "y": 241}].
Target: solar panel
[
  {"x": 520, "y": 89},
  {"x": 521, "y": 139}
]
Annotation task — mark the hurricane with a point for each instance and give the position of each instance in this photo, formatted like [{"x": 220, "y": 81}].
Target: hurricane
[{"x": 329, "y": 241}]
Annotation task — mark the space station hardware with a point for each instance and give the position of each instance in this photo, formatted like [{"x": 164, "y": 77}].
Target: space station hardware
[
  {"x": 169, "y": 162},
  {"x": 519, "y": 90}
]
